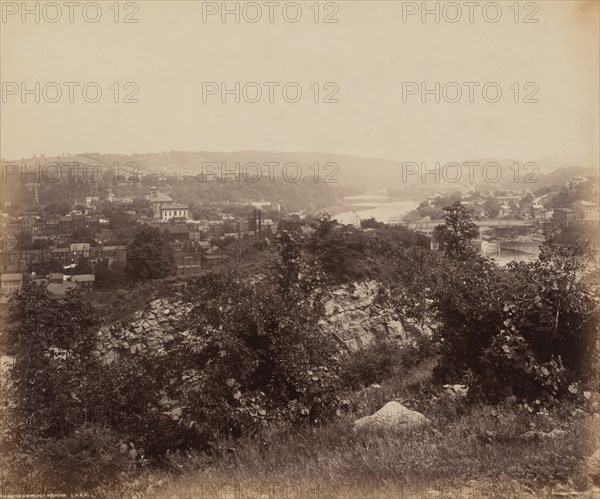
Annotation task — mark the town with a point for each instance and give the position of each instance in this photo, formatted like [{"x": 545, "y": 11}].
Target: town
[{"x": 87, "y": 245}]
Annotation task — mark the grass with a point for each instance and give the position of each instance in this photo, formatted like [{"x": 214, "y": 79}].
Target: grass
[{"x": 471, "y": 450}]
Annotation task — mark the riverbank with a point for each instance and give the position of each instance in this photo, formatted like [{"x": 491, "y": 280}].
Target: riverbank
[{"x": 382, "y": 208}]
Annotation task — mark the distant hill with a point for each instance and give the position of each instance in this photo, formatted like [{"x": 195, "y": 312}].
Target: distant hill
[{"x": 343, "y": 173}]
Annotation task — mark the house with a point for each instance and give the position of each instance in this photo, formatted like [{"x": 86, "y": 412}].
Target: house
[
  {"x": 56, "y": 278},
  {"x": 52, "y": 226},
  {"x": 80, "y": 250},
  {"x": 508, "y": 198},
  {"x": 7, "y": 244},
  {"x": 587, "y": 211},
  {"x": 216, "y": 229},
  {"x": 110, "y": 253},
  {"x": 564, "y": 216},
  {"x": 65, "y": 226},
  {"x": 176, "y": 232},
  {"x": 201, "y": 225},
  {"x": 157, "y": 200},
  {"x": 9, "y": 283},
  {"x": 432, "y": 198},
  {"x": 505, "y": 210},
  {"x": 538, "y": 212},
  {"x": 85, "y": 281},
  {"x": 173, "y": 211},
  {"x": 90, "y": 223},
  {"x": 61, "y": 255},
  {"x": 91, "y": 199}
]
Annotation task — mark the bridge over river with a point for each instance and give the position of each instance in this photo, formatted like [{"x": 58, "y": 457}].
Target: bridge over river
[{"x": 485, "y": 224}]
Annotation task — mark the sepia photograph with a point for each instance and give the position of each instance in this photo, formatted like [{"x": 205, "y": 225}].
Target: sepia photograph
[{"x": 301, "y": 249}]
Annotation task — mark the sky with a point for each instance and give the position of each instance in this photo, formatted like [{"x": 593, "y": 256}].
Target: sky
[{"x": 375, "y": 60}]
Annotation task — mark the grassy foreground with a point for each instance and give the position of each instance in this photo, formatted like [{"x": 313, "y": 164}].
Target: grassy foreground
[{"x": 469, "y": 450}]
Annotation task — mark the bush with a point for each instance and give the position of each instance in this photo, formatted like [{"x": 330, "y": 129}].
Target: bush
[
  {"x": 129, "y": 396},
  {"x": 381, "y": 360},
  {"x": 254, "y": 353},
  {"x": 88, "y": 458},
  {"x": 527, "y": 330},
  {"x": 372, "y": 364}
]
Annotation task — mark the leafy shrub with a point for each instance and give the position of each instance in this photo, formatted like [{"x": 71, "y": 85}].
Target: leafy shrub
[
  {"x": 127, "y": 397},
  {"x": 526, "y": 331},
  {"x": 52, "y": 344},
  {"x": 372, "y": 364},
  {"x": 87, "y": 458},
  {"x": 381, "y": 360},
  {"x": 254, "y": 353}
]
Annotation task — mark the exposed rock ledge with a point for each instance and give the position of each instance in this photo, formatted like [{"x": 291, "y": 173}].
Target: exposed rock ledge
[
  {"x": 355, "y": 320},
  {"x": 351, "y": 316}
]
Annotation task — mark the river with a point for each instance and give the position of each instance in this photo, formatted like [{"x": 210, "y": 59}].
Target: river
[
  {"x": 380, "y": 207},
  {"x": 391, "y": 210},
  {"x": 525, "y": 251}
]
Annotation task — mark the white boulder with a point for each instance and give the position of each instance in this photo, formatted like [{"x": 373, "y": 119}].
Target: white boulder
[{"x": 392, "y": 416}]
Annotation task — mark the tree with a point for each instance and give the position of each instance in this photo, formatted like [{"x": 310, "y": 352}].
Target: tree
[
  {"x": 58, "y": 208},
  {"x": 339, "y": 249},
  {"x": 52, "y": 344},
  {"x": 492, "y": 207},
  {"x": 51, "y": 265},
  {"x": 371, "y": 223},
  {"x": 109, "y": 277},
  {"x": 149, "y": 256},
  {"x": 458, "y": 230},
  {"x": 83, "y": 266}
]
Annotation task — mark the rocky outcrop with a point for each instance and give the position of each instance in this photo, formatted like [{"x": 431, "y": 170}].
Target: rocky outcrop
[
  {"x": 355, "y": 320},
  {"x": 155, "y": 327},
  {"x": 391, "y": 417},
  {"x": 352, "y": 317}
]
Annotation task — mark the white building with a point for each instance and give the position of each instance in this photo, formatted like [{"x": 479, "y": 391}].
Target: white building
[
  {"x": 157, "y": 200},
  {"x": 175, "y": 210},
  {"x": 587, "y": 212},
  {"x": 9, "y": 283}
]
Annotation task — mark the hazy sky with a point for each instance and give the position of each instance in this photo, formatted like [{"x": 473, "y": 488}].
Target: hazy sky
[{"x": 368, "y": 54}]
